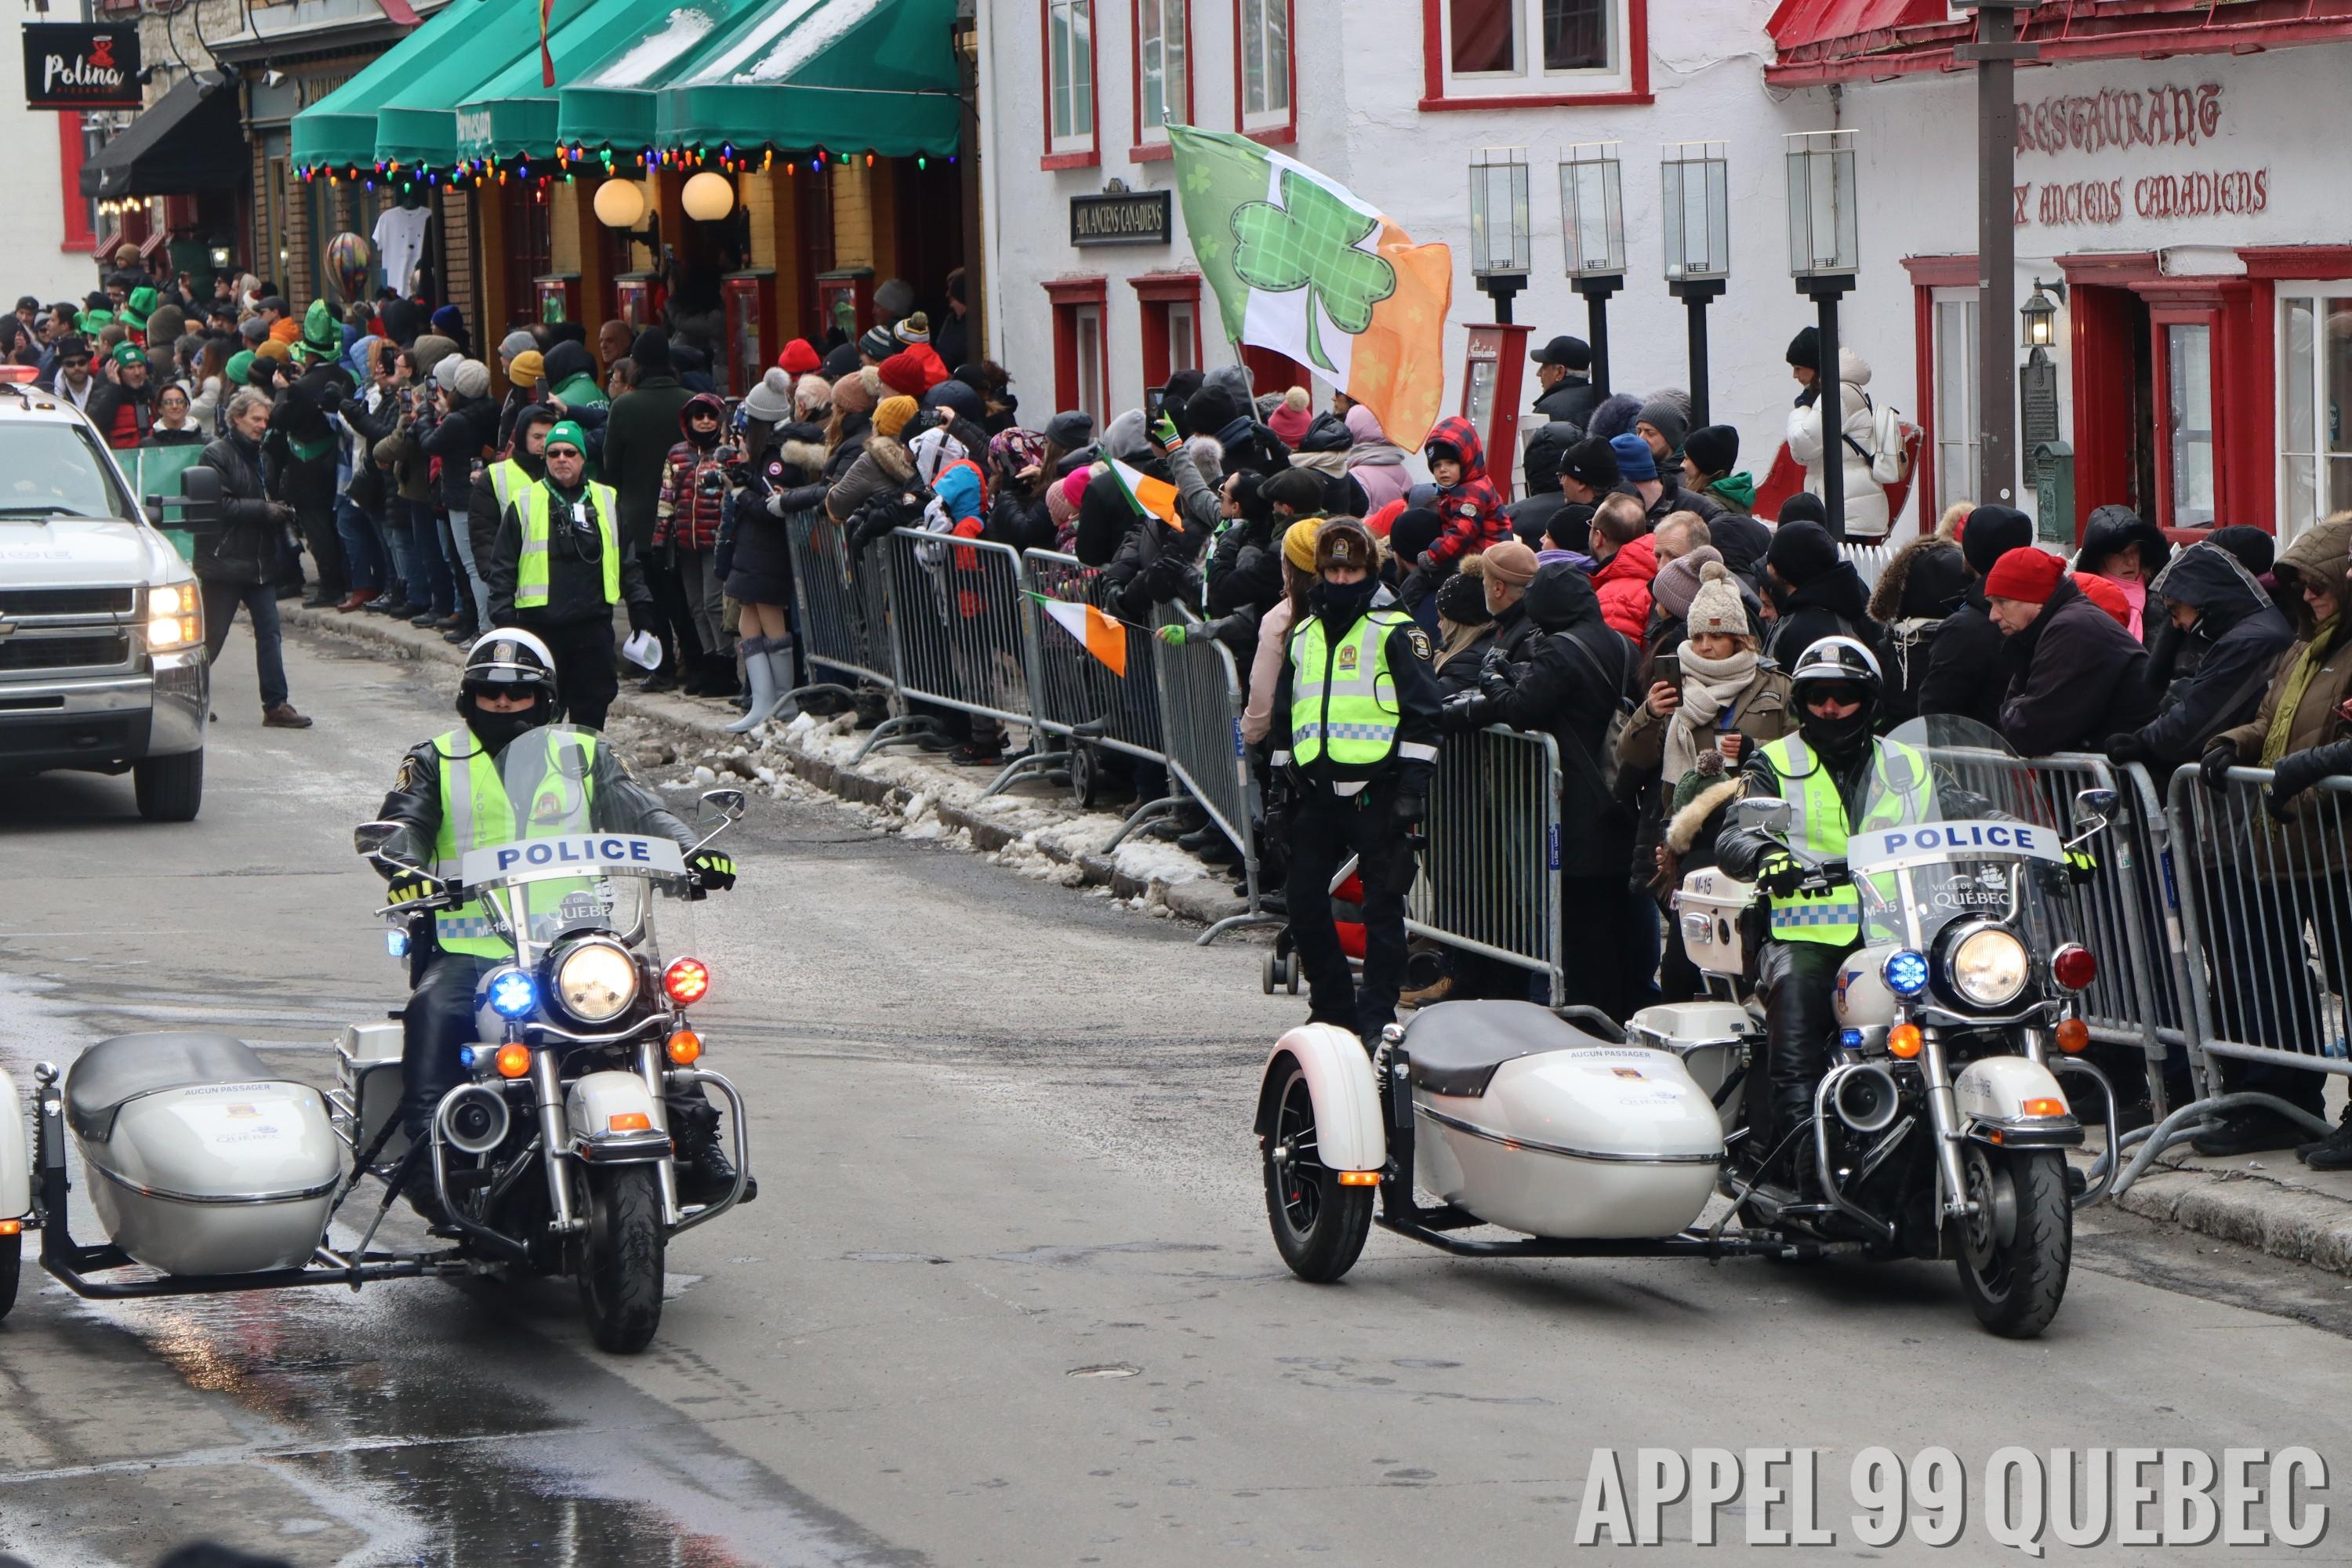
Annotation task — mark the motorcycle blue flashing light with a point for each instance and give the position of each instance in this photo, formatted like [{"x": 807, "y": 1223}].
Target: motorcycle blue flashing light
[
  {"x": 1851, "y": 1039},
  {"x": 511, "y": 993},
  {"x": 1906, "y": 972},
  {"x": 395, "y": 941}
]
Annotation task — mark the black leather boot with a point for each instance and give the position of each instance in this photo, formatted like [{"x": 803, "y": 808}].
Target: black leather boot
[{"x": 705, "y": 1173}]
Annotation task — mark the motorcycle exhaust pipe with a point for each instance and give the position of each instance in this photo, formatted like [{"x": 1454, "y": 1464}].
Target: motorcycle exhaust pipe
[
  {"x": 475, "y": 1119},
  {"x": 1866, "y": 1099}
]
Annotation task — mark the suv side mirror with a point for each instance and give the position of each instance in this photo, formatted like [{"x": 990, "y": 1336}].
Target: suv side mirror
[
  {"x": 1762, "y": 814},
  {"x": 200, "y": 497}
]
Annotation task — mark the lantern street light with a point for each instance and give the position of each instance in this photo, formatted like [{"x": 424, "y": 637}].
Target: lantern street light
[
  {"x": 1502, "y": 245},
  {"x": 2040, "y": 316},
  {"x": 1593, "y": 233},
  {"x": 1824, "y": 255},
  {"x": 1695, "y": 181}
]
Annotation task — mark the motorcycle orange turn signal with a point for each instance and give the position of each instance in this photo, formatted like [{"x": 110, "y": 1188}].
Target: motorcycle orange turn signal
[
  {"x": 1360, "y": 1178},
  {"x": 686, "y": 981},
  {"x": 11, "y": 1226},
  {"x": 1903, "y": 1040},
  {"x": 629, "y": 1121},
  {"x": 685, "y": 1047},
  {"x": 2073, "y": 1034},
  {"x": 2045, "y": 1107},
  {"x": 514, "y": 1060}
]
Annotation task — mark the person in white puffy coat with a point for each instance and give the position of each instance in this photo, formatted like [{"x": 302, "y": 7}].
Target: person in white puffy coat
[{"x": 1865, "y": 500}]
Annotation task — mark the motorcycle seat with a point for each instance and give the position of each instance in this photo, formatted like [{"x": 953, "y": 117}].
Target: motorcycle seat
[
  {"x": 114, "y": 1072},
  {"x": 1456, "y": 1046}
]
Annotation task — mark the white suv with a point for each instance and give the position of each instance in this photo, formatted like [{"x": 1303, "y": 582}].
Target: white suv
[{"x": 102, "y": 665}]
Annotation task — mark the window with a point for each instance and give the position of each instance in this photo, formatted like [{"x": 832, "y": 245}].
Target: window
[
  {"x": 2314, "y": 434},
  {"x": 1957, "y": 423},
  {"x": 1081, "y": 346},
  {"x": 1169, "y": 304},
  {"x": 2188, "y": 425},
  {"x": 1530, "y": 53},
  {"x": 1163, "y": 73},
  {"x": 1069, "y": 83},
  {"x": 1262, "y": 77}
]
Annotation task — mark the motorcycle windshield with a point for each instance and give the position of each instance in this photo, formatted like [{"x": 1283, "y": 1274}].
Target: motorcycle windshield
[
  {"x": 571, "y": 868},
  {"x": 1961, "y": 829}
]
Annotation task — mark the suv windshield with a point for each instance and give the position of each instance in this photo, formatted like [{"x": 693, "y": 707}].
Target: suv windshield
[{"x": 56, "y": 470}]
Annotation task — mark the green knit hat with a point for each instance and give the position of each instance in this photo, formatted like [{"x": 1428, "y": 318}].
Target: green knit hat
[
  {"x": 138, "y": 308},
  {"x": 568, "y": 432},
  {"x": 321, "y": 339},
  {"x": 94, "y": 321},
  {"x": 238, "y": 365},
  {"x": 128, "y": 355}
]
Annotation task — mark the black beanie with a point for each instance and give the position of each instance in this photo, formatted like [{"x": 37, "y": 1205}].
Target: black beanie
[
  {"x": 1591, "y": 463},
  {"x": 1712, "y": 449},
  {"x": 651, "y": 352},
  {"x": 1209, "y": 410},
  {"x": 2255, "y": 549},
  {"x": 1802, "y": 551},
  {"x": 1414, "y": 531},
  {"x": 1805, "y": 348},
  {"x": 1300, "y": 490},
  {"x": 1804, "y": 507},
  {"x": 1992, "y": 531},
  {"x": 1461, "y": 598}
]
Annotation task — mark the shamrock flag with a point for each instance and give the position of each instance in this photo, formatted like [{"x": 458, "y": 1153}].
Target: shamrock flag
[{"x": 1300, "y": 266}]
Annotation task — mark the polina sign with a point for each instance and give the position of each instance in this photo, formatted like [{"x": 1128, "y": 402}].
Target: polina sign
[{"x": 68, "y": 65}]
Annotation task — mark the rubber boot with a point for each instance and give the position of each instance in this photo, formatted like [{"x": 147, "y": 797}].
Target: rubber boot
[
  {"x": 780, "y": 672},
  {"x": 764, "y": 695}
]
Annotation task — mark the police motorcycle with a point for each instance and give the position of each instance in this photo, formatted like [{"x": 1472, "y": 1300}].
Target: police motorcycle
[
  {"x": 1938, "y": 1131},
  {"x": 553, "y": 1155}
]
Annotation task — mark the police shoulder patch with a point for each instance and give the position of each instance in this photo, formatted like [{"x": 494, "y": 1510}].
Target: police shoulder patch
[
  {"x": 411, "y": 776},
  {"x": 1420, "y": 641}
]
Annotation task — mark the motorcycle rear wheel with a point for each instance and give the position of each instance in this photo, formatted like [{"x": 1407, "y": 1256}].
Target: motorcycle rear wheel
[
  {"x": 621, "y": 1258},
  {"x": 1318, "y": 1226},
  {"x": 12, "y": 1264},
  {"x": 2014, "y": 1253}
]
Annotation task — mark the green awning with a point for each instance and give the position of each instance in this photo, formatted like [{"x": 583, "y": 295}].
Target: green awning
[
  {"x": 613, "y": 104},
  {"x": 515, "y": 115},
  {"x": 847, "y": 75},
  {"x": 417, "y": 126},
  {"x": 339, "y": 131}
]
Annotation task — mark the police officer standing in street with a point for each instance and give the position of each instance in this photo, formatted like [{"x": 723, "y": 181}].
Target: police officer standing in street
[
  {"x": 1357, "y": 716},
  {"x": 558, "y": 569}
]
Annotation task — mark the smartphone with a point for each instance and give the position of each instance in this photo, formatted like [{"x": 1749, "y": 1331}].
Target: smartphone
[
  {"x": 1669, "y": 669},
  {"x": 539, "y": 390}
]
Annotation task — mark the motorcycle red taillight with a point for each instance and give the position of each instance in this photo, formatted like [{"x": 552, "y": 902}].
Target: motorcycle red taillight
[
  {"x": 2074, "y": 967},
  {"x": 686, "y": 981}
]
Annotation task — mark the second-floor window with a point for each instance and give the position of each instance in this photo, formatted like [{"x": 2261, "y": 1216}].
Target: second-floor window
[
  {"x": 1495, "y": 49},
  {"x": 1264, "y": 64},
  {"x": 1070, "y": 65},
  {"x": 1160, "y": 66}
]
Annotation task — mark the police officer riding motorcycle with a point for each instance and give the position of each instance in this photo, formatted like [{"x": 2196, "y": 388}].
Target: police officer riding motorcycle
[{"x": 451, "y": 796}]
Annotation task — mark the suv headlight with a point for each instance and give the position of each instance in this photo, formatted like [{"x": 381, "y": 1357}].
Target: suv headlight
[
  {"x": 176, "y": 617},
  {"x": 595, "y": 981},
  {"x": 1988, "y": 967}
]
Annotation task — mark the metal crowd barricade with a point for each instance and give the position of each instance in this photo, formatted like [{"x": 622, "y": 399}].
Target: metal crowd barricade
[
  {"x": 1489, "y": 880},
  {"x": 1200, "y": 703},
  {"x": 845, "y": 614},
  {"x": 960, "y": 637},
  {"x": 1076, "y": 695}
]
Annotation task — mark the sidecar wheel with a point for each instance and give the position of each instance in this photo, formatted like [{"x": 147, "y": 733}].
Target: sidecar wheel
[
  {"x": 1318, "y": 1226},
  {"x": 2015, "y": 1252},
  {"x": 621, "y": 1260},
  {"x": 1269, "y": 972},
  {"x": 12, "y": 1263}
]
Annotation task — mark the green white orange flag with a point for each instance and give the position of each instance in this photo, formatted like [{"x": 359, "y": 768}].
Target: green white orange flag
[
  {"x": 1301, "y": 266},
  {"x": 1156, "y": 497},
  {"x": 1099, "y": 634}
]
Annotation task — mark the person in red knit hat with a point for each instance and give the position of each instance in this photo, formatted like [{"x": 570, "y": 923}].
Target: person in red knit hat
[
  {"x": 2078, "y": 676},
  {"x": 799, "y": 359}
]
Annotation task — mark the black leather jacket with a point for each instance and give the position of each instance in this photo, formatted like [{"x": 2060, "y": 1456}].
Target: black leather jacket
[
  {"x": 243, "y": 547},
  {"x": 622, "y": 804}
]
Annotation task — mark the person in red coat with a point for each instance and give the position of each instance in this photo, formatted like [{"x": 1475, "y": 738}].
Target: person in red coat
[{"x": 1627, "y": 560}]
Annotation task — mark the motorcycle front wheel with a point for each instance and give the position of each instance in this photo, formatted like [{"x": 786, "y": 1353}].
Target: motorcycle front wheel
[
  {"x": 621, "y": 1256},
  {"x": 1319, "y": 1226},
  {"x": 2015, "y": 1250}
]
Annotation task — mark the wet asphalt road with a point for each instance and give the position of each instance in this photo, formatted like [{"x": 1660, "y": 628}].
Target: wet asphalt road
[{"x": 1007, "y": 1297}]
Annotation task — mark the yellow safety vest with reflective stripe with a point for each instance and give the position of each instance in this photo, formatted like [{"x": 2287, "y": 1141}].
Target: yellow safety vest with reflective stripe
[
  {"x": 1343, "y": 702},
  {"x": 507, "y": 479},
  {"x": 477, "y": 814},
  {"x": 530, "y": 570},
  {"x": 1900, "y": 791}
]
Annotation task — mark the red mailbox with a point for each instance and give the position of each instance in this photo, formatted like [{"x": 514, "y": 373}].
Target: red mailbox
[
  {"x": 558, "y": 297},
  {"x": 1491, "y": 377},
  {"x": 750, "y": 327}
]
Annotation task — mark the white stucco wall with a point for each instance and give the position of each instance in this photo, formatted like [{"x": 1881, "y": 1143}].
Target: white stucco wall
[{"x": 30, "y": 259}]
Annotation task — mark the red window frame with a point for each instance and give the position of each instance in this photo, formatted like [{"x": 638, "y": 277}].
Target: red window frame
[
  {"x": 1143, "y": 152},
  {"x": 1154, "y": 292},
  {"x": 1092, "y": 155},
  {"x": 1286, "y": 132},
  {"x": 1067, "y": 295},
  {"x": 1433, "y": 70},
  {"x": 70, "y": 158}
]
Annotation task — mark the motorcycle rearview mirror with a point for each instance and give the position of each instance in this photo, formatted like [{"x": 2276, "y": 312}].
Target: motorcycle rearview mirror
[
  {"x": 726, "y": 803},
  {"x": 1762, "y": 814},
  {"x": 2098, "y": 803},
  {"x": 369, "y": 837}
]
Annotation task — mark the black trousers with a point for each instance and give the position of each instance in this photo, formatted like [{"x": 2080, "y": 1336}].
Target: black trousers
[
  {"x": 1597, "y": 950},
  {"x": 1324, "y": 831},
  {"x": 1797, "y": 979},
  {"x": 585, "y": 679},
  {"x": 326, "y": 546},
  {"x": 681, "y": 645}
]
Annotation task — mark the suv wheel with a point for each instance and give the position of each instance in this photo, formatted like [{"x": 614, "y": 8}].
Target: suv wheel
[{"x": 170, "y": 789}]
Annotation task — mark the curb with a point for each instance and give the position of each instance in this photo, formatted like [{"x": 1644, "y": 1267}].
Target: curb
[
  {"x": 1202, "y": 901},
  {"x": 2251, "y": 1208}
]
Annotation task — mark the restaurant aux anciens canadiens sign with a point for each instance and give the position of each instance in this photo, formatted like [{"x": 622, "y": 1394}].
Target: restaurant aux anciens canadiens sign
[{"x": 72, "y": 67}]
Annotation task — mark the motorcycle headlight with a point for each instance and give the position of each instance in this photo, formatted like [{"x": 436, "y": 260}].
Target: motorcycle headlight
[
  {"x": 595, "y": 981},
  {"x": 1988, "y": 967}
]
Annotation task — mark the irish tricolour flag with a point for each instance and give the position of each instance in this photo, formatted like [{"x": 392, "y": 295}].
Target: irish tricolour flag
[
  {"x": 1098, "y": 633},
  {"x": 1302, "y": 267}
]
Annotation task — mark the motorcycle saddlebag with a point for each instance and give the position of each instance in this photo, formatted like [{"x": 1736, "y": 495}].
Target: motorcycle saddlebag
[{"x": 199, "y": 1160}]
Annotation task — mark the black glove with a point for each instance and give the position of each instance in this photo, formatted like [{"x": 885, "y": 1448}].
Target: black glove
[
  {"x": 2298, "y": 771},
  {"x": 1464, "y": 712},
  {"x": 408, "y": 885},
  {"x": 641, "y": 617},
  {"x": 2125, "y": 749},
  {"x": 2218, "y": 760},
  {"x": 2082, "y": 866},
  {"x": 711, "y": 869},
  {"x": 1778, "y": 874},
  {"x": 1408, "y": 809}
]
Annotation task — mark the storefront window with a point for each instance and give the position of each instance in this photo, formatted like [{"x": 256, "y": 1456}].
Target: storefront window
[
  {"x": 2315, "y": 445},
  {"x": 1956, "y": 423},
  {"x": 2190, "y": 350}
]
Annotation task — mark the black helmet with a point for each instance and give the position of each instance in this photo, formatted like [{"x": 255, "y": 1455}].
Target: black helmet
[
  {"x": 507, "y": 662},
  {"x": 1848, "y": 667}
]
